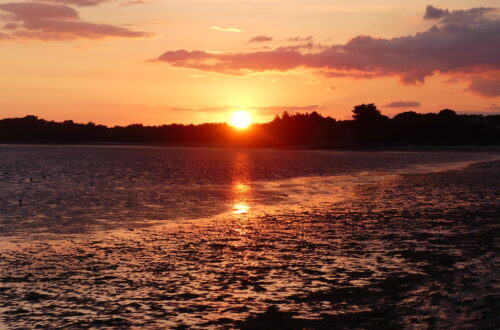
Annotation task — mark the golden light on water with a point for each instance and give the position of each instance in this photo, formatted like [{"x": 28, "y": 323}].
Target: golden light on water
[
  {"x": 241, "y": 208},
  {"x": 241, "y": 189},
  {"x": 240, "y": 119},
  {"x": 241, "y": 192}
]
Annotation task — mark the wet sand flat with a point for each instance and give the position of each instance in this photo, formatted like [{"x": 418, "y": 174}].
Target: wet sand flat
[{"x": 415, "y": 250}]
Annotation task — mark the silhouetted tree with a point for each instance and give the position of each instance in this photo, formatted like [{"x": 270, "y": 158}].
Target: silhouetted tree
[
  {"x": 370, "y": 127},
  {"x": 448, "y": 114},
  {"x": 366, "y": 112}
]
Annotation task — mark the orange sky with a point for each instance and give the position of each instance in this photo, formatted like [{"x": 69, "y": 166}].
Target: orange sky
[{"x": 192, "y": 61}]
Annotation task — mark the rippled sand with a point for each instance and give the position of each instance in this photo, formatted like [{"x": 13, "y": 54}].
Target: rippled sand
[{"x": 410, "y": 251}]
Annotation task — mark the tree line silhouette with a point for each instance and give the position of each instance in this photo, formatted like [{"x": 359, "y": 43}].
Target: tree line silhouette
[{"x": 369, "y": 127}]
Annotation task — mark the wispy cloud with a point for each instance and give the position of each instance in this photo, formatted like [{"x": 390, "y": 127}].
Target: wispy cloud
[
  {"x": 403, "y": 104},
  {"x": 269, "y": 110},
  {"x": 494, "y": 107},
  {"x": 4, "y": 36},
  {"x": 486, "y": 86},
  {"x": 225, "y": 29},
  {"x": 261, "y": 39},
  {"x": 82, "y": 3},
  {"x": 49, "y": 22},
  {"x": 157, "y": 23},
  {"x": 300, "y": 39},
  {"x": 135, "y": 2}
]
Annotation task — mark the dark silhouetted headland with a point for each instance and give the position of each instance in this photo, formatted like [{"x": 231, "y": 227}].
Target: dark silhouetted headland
[{"x": 368, "y": 128}]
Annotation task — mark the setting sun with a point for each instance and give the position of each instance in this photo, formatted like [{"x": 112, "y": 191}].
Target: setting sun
[{"x": 241, "y": 119}]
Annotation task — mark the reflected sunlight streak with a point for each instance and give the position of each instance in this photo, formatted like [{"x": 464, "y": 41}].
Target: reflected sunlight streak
[
  {"x": 241, "y": 208},
  {"x": 241, "y": 190}
]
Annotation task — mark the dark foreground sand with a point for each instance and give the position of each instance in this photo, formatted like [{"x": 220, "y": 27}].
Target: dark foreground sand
[{"x": 420, "y": 250}]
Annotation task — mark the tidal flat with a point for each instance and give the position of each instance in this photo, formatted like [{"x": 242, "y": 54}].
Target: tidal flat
[{"x": 416, "y": 250}]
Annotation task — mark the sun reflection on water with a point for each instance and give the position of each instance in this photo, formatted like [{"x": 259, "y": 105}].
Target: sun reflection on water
[
  {"x": 241, "y": 208},
  {"x": 242, "y": 187},
  {"x": 241, "y": 191}
]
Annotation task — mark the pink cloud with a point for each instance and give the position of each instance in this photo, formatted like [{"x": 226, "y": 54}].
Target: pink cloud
[
  {"x": 28, "y": 11},
  {"x": 464, "y": 41},
  {"x": 304, "y": 46},
  {"x": 135, "y": 2},
  {"x": 82, "y": 3},
  {"x": 261, "y": 39},
  {"x": 486, "y": 86},
  {"x": 432, "y": 12},
  {"x": 300, "y": 39},
  {"x": 46, "y": 22},
  {"x": 403, "y": 104},
  {"x": 494, "y": 106},
  {"x": 233, "y": 63},
  {"x": 4, "y": 36}
]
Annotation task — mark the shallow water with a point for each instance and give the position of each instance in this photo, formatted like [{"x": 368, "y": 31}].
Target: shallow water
[
  {"x": 54, "y": 190},
  {"x": 352, "y": 240}
]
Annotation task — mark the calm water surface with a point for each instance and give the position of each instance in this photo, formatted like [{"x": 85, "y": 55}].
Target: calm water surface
[{"x": 48, "y": 190}]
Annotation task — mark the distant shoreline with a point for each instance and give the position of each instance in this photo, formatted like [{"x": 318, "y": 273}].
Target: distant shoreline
[
  {"x": 495, "y": 148},
  {"x": 368, "y": 130}
]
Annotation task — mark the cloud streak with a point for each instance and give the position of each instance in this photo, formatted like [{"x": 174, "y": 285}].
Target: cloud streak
[
  {"x": 485, "y": 86},
  {"x": 81, "y": 3},
  {"x": 261, "y": 39},
  {"x": 223, "y": 29},
  {"x": 462, "y": 41},
  {"x": 403, "y": 104},
  {"x": 300, "y": 39},
  {"x": 269, "y": 110},
  {"x": 50, "y": 22},
  {"x": 494, "y": 107},
  {"x": 135, "y": 2}
]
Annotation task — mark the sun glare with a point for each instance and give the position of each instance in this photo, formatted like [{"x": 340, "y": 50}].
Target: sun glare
[{"x": 241, "y": 119}]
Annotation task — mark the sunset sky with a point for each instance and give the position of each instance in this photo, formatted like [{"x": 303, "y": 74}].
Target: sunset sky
[{"x": 118, "y": 62}]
